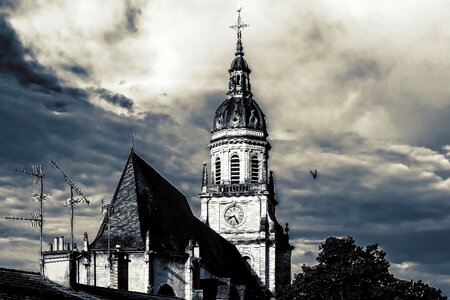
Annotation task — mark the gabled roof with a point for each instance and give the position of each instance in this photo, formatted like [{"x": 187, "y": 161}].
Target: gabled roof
[{"x": 145, "y": 201}]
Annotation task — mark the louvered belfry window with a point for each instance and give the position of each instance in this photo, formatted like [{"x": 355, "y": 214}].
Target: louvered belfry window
[
  {"x": 234, "y": 163},
  {"x": 255, "y": 169},
  {"x": 217, "y": 172}
]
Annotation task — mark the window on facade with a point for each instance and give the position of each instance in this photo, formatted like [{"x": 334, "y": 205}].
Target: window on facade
[
  {"x": 234, "y": 163},
  {"x": 217, "y": 172},
  {"x": 255, "y": 169}
]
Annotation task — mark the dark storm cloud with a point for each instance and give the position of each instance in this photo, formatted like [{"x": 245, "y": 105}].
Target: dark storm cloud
[
  {"x": 13, "y": 63},
  {"x": 424, "y": 246},
  {"x": 377, "y": 193},
  {"x": 77, "y": 70},
  {"x": 132, "y": 13},
  {"x": 91, "y": 145},
  {"x": 115, "y": 99},
  {"x": 359, "y": 69},
  {"x": 125, "y": 26},
  {"x": 202, "y": 112},
  {"x": 9, "y": 3}
]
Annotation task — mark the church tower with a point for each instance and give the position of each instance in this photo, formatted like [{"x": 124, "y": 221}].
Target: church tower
[{"x": 238, "y": 199}]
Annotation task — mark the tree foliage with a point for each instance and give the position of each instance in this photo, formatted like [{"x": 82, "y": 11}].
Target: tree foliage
[{"x": 348, "y": 271}]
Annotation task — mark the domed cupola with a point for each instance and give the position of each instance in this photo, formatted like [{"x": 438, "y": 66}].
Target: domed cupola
[
  {"x": 239, "y": 109},
  {"x": 237, "y": 112}
]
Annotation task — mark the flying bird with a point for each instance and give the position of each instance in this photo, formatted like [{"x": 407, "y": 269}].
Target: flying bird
[{"x": 314, "y": 173}]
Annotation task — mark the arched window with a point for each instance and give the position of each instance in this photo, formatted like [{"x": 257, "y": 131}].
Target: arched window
[
  {"x": 217, "y": 171},
  {"x": 238, "y": 79},
  {"x": 166, "y": 290},
  {"x": 255, "y": 169},
  {"x": 234, "y": 167}
]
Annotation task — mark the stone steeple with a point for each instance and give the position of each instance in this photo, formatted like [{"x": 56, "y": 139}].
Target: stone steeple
[{"x": 239, "y": 200}]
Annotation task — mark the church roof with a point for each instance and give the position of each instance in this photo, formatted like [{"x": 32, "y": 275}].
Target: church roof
[
  {"x": 16, "y": 284},
  {"x": 26, "y": 285},
  {"x": 145, "y": 201}
]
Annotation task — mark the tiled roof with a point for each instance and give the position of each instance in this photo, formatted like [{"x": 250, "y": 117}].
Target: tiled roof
[
  {"x": 107, "y": 293},
  {"x": 15, "y": 284},
  {"x": 145, "y": 201}
]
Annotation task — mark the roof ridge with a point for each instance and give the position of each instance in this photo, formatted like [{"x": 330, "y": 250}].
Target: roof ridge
[{"x": 21, "y": 271}]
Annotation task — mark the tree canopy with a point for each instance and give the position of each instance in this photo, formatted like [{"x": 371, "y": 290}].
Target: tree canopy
[{"x": 348, "y": 271}]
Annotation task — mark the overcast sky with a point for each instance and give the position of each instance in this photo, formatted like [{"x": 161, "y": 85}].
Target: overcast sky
[{"x": 358, "y": 89}]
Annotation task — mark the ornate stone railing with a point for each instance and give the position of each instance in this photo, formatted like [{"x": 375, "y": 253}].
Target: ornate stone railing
[{"x": 236, "y": 188}]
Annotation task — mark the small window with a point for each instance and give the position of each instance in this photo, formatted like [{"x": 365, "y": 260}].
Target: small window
[
  {"x": 234, "y": 163},
  {"x": 255, "y": 169},
  {"x": 238, "y": 79},
  {"x": 217, "y": 172}
]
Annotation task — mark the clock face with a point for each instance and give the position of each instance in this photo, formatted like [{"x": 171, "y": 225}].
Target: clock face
[{"x": 234, "y": 215}]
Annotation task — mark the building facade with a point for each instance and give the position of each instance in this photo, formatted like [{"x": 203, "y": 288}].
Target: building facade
[{"x": 150, "y": 241}]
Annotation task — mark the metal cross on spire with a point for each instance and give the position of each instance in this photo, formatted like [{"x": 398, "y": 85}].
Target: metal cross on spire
[
  {"x": 132, "y": 136},
  {"x": 239, "y": 25}
]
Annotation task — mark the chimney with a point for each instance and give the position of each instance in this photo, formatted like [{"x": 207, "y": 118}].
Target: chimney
[
  {"x": 196, "y": 250},
  {"x": 85, "y": 242},
  {"x": 60, "y": 267},
  {"x": 61, "y": 243}
]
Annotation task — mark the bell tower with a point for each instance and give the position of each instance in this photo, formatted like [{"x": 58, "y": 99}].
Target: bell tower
[{"x": 238, "y": 198}]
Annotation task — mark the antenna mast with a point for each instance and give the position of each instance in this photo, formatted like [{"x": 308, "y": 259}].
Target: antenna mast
[
  {"x": 71, "y": 201},
  {"x": 36, "y": 219}
]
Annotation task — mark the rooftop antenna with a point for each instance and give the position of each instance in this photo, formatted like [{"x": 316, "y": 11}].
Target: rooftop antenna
[
  {"x": 36, "y": 219},
  {"x": 71, "y": 201},
  {"x": 108, "y": 208}
]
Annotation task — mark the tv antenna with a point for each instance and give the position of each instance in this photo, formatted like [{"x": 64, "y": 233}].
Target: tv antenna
[
  {"x": 36, "y": 219},
  {"x": 108, "y": 209},
  {"x": 71, "y": 201}
]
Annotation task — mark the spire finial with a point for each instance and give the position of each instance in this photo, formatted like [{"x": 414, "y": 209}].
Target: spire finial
[
  {"x": 239, "y": 26},
  {"x": 132, "y": 136}
]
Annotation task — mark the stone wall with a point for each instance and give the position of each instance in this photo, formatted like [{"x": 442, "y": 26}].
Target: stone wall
[
  {"x": 283, "y": 270},
  {"x": 100, "y": 270},
  {"x": 169, "y": 271},
  {"x": 57, "y": 266},
  {"x": 138, "y": 273}
]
